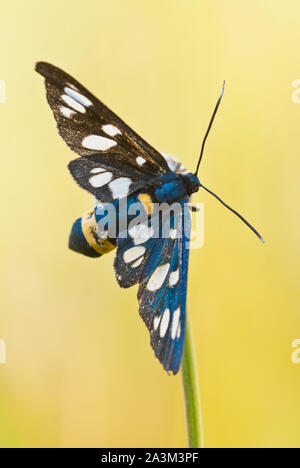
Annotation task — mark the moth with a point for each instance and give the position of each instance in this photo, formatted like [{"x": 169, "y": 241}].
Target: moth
[{"x": 130, "y": 179}]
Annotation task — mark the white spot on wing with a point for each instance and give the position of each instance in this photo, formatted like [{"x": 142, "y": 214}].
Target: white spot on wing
[
  {"x": 96, "y": 170},
  {"x": 66, "y": 112},
  {"x": 140, "y": 233},
  {"x": 174, "y": 277},
  {"x": 72, "y": 86},
  {"x": 120, "y": 187},
  {"x": 78, "y": 97},
  {"x": 178, "y": 331},
  {"x": 158, "y": 277},
  {"x": 138, "y": 262},
  {"x": 156, "y": 322},
  {"x": 72, "y": 103},
  {"x": 164, "y": 323},
  {"x": 173, "y": 233},
  {"x": 111, "y": 130},
  {"x": 175, "y": 322},
  {"x": 133, "y": 253},
  {"x": 101, "y": 179},
  {"x": 96, "y": 142},
  {"x": 140, "y": 160}
]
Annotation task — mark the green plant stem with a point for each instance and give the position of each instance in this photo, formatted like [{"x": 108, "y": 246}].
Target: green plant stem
[{"x": 191, "y": 392}]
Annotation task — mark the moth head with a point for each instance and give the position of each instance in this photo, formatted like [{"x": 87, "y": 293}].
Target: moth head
[
  {"x": 191, "y": 182},
  {"x": 199, "y": 162}
]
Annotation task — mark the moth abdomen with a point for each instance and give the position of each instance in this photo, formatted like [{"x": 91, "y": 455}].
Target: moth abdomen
[{"x": 85, "y": 239}]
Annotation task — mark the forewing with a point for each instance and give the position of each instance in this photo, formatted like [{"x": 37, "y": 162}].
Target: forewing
[{"x": 89, "y": 127}]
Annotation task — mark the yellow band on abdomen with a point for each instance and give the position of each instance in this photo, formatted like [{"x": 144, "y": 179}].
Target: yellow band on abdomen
[
  {"x": 89, "y": 229},
  {"x": 146, "y": 201}
]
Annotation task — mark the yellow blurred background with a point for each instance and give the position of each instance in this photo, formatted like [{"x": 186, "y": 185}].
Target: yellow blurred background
[{"x": 80, "y": 371}]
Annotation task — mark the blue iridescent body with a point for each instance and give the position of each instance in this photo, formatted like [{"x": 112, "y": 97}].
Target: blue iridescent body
[{"x": 174, "y": 187}]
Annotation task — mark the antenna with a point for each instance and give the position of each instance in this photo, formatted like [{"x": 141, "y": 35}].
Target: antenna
[
  {"x": 199, "y": 162},
  {"x": 234, "y": 212},
  {"x": 209, "y": 127}
]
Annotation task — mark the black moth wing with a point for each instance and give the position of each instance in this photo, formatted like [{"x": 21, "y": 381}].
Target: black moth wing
[
  {"x": 89, "y": 127},
  {"x": 107, "y": 177},
  {"x": 154, "y": 254}
]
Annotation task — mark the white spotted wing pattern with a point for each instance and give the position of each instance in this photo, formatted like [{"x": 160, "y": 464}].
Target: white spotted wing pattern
[
  {"x": 89, "y": 127},
  {"x": 159, "y": 266},
  {"x": 101, "y": 138},
  {"x": 115, "y": 162}
]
